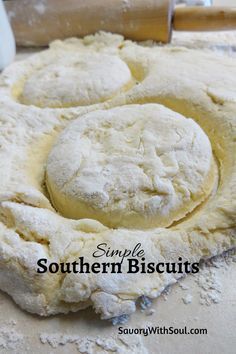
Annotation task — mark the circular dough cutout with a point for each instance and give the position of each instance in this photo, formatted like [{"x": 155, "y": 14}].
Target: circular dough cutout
[
  {"x": 137, "y": 166},
  {"x": 77, "y": 80}
]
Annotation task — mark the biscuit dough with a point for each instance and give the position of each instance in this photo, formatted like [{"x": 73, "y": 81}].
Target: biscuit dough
[
  {"x": 136, "y": 166},
  {"x": 198, "y": 85},
  {"x": 77, "y": 80}
]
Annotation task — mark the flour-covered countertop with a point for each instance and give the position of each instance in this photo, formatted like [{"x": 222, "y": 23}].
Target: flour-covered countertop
[{"x": 207, "y": 300}]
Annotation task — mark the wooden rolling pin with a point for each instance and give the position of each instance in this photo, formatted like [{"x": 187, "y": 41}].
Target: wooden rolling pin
[{"x": 37, "y": 22}]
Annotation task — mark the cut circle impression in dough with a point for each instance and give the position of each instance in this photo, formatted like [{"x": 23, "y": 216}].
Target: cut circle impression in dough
[
  {"x": 77, "y": 80},
  {"x": 137, "y": 166}
]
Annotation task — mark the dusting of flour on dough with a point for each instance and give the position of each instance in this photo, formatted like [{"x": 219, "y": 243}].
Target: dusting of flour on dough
[
  {"x": 83, "y": 80},
  {"x": 191, "y": 82},
  {"x": 136, "y": 166}
]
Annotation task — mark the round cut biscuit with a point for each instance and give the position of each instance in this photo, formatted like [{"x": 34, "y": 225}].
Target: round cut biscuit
[
  {"x": 77, "y": 80},
  {"x": 137, "y": 166}
]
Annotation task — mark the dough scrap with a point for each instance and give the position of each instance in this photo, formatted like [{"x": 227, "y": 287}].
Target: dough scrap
[
  {"x": 136, "y": 166},
  {"x": 195, "y": 83}
]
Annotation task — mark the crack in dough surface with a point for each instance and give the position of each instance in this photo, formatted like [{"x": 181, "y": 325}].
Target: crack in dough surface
[{"x": 137, "y": 166}]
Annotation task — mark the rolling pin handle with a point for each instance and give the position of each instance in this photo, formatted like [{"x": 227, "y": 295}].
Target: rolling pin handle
[{"x": 204, "y": 19}]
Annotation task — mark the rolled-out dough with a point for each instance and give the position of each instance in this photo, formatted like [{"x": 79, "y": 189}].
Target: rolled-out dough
[{"x": 200, "y": 86}]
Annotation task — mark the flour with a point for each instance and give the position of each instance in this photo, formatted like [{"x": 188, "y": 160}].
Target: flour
[
  {"x": 222, "y": 43},
  {"x": 10, "y": 338},
  {"x": 183, "y": 286},
  {"x": 210, "y": 289},
  {"x": 92, "y": 345},
  {"x": 208, "y": 280},
  {"x": 187, "y": 299}
]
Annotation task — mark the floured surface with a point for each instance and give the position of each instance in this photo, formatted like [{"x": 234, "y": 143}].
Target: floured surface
[
  {"x": 203, "y": 89},
  {"x": 69, "y": 333}
]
